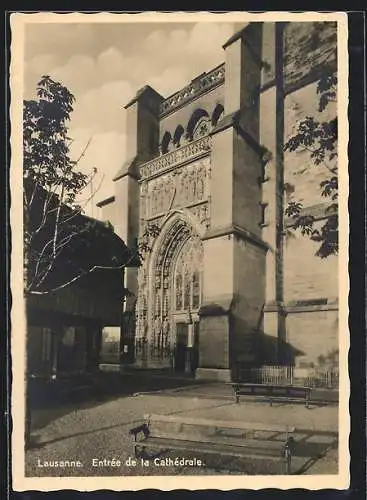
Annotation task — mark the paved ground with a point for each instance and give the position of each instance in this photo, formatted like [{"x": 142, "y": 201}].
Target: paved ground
[{"x": 99, "y": 430}]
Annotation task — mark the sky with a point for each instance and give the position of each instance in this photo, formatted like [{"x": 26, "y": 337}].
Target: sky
[{"x": 104, "y": 65}]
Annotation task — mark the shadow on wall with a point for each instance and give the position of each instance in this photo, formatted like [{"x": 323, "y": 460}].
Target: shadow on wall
[
  {"x": 277, "y": 351},
  {"x": 268, "y": 350}
]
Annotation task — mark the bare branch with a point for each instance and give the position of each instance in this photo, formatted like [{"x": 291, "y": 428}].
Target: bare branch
[
  {"x": 60, "y": 245},
  {"x": 57, "y": 220},
  {"x": 78, "y": 212},
  {"x": 34, "y": 192},
  {"x": 84, "y": 273},
  {"x": 87, "y": 200},
  {"x": 83, "y": 151},
  {"x": 40, "y": 259},
  {"x": 54, "y": 240},
  {"x": 51, "y": 195}
]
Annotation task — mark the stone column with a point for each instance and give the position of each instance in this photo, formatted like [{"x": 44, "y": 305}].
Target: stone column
[
  {"x": 234, "y": 253},
  {"x": 189, "y": 347},
  {"x": 142, "y": 143}
]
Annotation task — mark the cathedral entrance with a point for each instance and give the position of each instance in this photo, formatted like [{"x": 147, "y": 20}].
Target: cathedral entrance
[{"x": 174, "y": 291}]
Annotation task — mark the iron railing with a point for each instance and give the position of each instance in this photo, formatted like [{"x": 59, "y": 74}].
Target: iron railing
[{"x": 280, "y": 375}]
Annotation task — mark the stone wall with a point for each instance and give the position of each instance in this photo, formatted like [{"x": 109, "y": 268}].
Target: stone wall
[
  {"x": 312, "y": 333},
  {"x": 309, "y": 47},
  {"x": 302, "y": 178},
  {"x": 307, "y": 276},
  {"x": 246, "y": 203},
  {"x": 313, "y": 330},
  {"x": 214, "y": 346},
  {"x": 307, "y": 285},
  {"x": 108, "y": 213},
  {"x": 249, "y": 284}
]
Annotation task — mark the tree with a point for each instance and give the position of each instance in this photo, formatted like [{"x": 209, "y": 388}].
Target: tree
[
  {"x": 52, "y": 218},
  {"x": 319, "y": 138},
  {"x": 57, "y": 235}
]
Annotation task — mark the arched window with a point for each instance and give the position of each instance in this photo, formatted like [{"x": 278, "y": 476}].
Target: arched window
[
  {"x": 165, "y": 143},
  {"x": 177, "y": 136},
  {"x": 192, "y": 126},
  {"x": 218, "y": 114},
  {"x": 187, "y": 276},
  {"x": 187, "y": 289}
]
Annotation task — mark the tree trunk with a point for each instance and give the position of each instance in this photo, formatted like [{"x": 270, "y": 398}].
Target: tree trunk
[{"x": 27, "y": 383}]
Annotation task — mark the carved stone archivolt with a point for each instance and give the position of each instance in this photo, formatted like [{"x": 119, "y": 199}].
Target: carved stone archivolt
[{"x": 174, "y": 286}]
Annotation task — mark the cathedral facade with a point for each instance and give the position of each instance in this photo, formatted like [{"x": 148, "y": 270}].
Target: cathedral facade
[{"x": 224, "y": 280}]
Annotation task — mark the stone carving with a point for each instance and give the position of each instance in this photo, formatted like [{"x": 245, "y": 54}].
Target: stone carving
[
  {"x": 201, "y": 212},
  {"x": 142, "y": 276},
  {"x": 193, "y": 90},
  {"x": 142, "y": 313},
  {"x": 175, "y": 157},
  {"x": 202, "y": 128},
  {"x": 176, "y": 189},
  {"x": 176, "y": 280},
  {"x": 165, "y": 331}
]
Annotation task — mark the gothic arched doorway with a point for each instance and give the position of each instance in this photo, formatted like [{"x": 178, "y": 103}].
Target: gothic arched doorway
[{"x": 175, "y": 297}]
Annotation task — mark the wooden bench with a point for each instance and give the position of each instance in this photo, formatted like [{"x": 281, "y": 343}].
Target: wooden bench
[
  {"x": 271, "y": 392},
  {"x": 234, "y": 439}
]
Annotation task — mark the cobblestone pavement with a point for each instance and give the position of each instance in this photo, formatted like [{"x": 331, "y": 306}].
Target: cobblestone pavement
[{"x": 101, "y": 433}]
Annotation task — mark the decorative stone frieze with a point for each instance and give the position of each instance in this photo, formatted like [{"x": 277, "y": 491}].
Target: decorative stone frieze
[
  {"x": 169, "y": 160},
  {"x": 180, "y": 188}
]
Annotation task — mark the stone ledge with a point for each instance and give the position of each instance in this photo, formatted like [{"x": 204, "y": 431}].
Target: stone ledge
[
  {"x": 308, "y": 305},
  {"x": 275, "y": 307},
  {"x": 311, "y": 308},
  {"x": 129, "y": 167},
  {"x": 238, "y": 231},
  {"x": 106, "y": 201},
  {"x": 318, "y": 212},
  {"x": 218, "y": 307},
  {"x": 233, "y": 120}
]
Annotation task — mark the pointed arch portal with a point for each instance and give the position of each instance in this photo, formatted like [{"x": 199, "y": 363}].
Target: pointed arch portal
[{"x": 174, "y": 295}]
